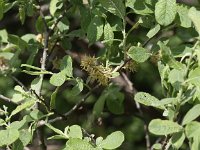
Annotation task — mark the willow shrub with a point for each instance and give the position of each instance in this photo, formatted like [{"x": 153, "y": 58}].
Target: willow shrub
[{"x": 169, "y": 38}]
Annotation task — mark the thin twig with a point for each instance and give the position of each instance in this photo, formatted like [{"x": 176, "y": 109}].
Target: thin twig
[
  {"x": 80, "y": 102},
  {"x": 40, "y": 135},
  {"x": 129, "y": 21},
  {"x": 147, "y": 138},
  {"x": 47, "y": 106},
  {"x": 73, "y": 109},
  {"x": 19, "y": 82},
  {"x": 6, "y": 99},
  {"x": 133, "y": 91}
]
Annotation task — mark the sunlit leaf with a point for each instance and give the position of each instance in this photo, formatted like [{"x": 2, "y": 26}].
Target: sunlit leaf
[
  {"x": 165, "y": 11},
  {"x": 192, "y": 114},
  {"x": 113, "y": 140},
  {"x": 163, "y": 127}
]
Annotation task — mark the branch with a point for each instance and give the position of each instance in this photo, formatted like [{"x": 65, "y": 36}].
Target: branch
[
  {"x": 19, "y": 82},
  {"x": 73, "y": 109},
  {"x": 40, "y": 135},
  {"x": 6, "y": 99},
  {"x": 133, "y": 91}
]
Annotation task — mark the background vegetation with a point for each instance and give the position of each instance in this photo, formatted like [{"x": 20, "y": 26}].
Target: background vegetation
[{"x": 97, "y": 74}]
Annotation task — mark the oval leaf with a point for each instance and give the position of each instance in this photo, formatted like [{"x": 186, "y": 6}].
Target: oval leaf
[
  {"x": 66, "y": 66},
  {"x": 192, "y": 114},
  {"x": 108, "y": 34},
  {"x": 192, "y": 129},
  {"x": 78, "y": 144},
  {"x": 8, "y": 136},
  {"x": 138, "y": 54},
  {"x": 185, "y": 21},
  {"x": 165, "y": 11},
  {"x": 53, "y": 99},
  {"x": 178, "y": 139},
  {"x": 194, "y": 15},
  {"x": 116, "y": 7},
  {"x": 147, "y": 99},
  {"x": 54, "y": 6},
  {"x": 153, "y": 31},
  {"x": 75, "y": 132},
  {"x": 163, "y": 127},
  {"x": 194, "y": 77},
  {"x": 58, "y": 79},
  {"x": 22, "y": 107},
  {"x": 113, "y": 140},
  {"x": 95, "y": 29}
]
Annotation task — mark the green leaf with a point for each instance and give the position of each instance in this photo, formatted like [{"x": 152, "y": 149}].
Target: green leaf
[
  {"x": 138, "y": 54},
  {"x": 116, "y": 7},
  {"x": 185, "y": 21},
  {"x": 66, "y": 43},
  {"x": 163, "y": 127},
  {"x": 63, "y": 24},
  {"x": 139, "y": 7},
  {"x": 58, "y": 79},
  {"x": 17, "y": 97},
  {"x": 36, "y": 73},
  {"x": 114, "y": 102},
  {"x": 17, "y": 145},
  {"x": 30, "y": 9},
  {"x": 167, "y": 101},
  {"x": 76, "y": 33},
  {"x": 54, "y": 6},
  {"x": 3, "y": 36},
  {"x": 95, "y": 29},
  {"x": 18, "y": 124},
  {"x": 57, "y": 137},
  {"x": 77, "y": 88},
  {"x": 66, "y": 66},
  {"x": 29, "y": 38},
  {"x": 8, "y": 6},
  {"x": 19, "y": 89},
  {"x": 194, "y": 15},
  {"x": 23, "y": 106},
  {"x": 147, "y": 99},
  {"x": 36, "y": 114},
  {"x": 168, "y": 58},
  {"x": 53, "y": 99},
  {"x": 115, "y": 22},
  {"x": 36, "y": 83},
  {"x": 108, "y": 34},
  {"x": 194, "y": 77},
  {"x": 56, "y": 130},
  {"x": 86, "y": 18},
  {"x": 192, "y": 129},
  {"x": 25, "y": 137},
  {"x": 75, "y": 132},
  {"x": 78, "y": 144},
  {"x": 196, "y": 143},
  {"x": 157, "y": 146},
  {"x": 2, "y": 122},
  {"x": 40, "y": 26},
  {"x": 22, "y": 14},
  {"x": 8, "y": 136},
  {"x": 176, "y": 76},
  {"x": 1, "y": 8},
  {"x": 192, "y": 114},
  {"x": 113, "y": 141},
  {"x": 165, "y": 11},
  {"x": 153, "y": 31},
  {"x": 32, "y": 67},
  {"x": 14, "y": 39},
  {"x": 99, "y": 105},
  {"x": 178, "y": 139}
]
